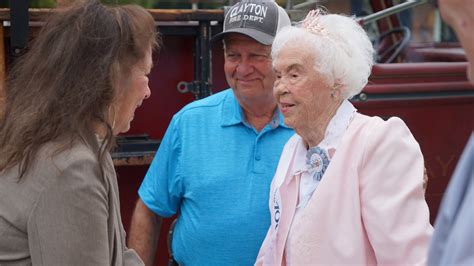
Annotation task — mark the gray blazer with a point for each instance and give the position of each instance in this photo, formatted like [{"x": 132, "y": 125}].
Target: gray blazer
[{"x": 62, "y": 212}]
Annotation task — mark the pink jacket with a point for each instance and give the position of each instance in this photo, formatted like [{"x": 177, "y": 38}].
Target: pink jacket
[{"x": 369, "y": 207}]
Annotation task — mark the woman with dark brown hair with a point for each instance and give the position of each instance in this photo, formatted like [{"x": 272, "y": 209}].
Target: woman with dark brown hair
[{"x": 75, "y": 89}]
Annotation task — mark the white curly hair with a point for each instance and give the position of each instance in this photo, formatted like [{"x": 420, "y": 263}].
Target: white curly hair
[{"x": 340, "y": 47}]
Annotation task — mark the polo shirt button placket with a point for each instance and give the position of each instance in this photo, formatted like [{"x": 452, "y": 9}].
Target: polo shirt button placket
[{"x": 258, "y": 167}]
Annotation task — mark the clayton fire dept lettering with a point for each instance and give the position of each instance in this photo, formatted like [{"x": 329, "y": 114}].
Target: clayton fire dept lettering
[{"x": 247, "y": 11}]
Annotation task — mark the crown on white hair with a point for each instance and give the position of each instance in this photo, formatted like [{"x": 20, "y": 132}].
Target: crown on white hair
[{"x": 312, "y": 22}]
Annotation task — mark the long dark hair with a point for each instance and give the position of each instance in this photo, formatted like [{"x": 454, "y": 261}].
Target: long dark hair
[{"x": 63, "y": 87}]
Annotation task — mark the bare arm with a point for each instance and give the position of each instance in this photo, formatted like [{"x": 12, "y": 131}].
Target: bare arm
[
  {"x": 144, "y": 232},
  {"x": 458, "y": 14}
]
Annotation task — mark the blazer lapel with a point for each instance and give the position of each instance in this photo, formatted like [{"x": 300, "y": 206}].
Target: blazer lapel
[{"x": 289, "y": 192}]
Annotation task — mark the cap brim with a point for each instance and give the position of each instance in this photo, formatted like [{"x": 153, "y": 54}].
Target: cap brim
[{"x": 259, "y": 36}]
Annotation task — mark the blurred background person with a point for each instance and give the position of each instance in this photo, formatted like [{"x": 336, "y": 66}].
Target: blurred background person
[
  {"x": 348, "y": 187},
  {"x": 459, "y": 14},
  {"x": 75, "y": 89},
  {"x": 453, "y": 239}
]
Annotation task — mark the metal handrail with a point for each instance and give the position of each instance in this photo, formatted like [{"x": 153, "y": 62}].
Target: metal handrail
[{"x": 390, "y": 11}]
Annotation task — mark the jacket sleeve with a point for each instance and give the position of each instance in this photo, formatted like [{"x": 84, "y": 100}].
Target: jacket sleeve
[
  {"x": 394, "y": 211},
  {"x": 453, "y": 240},
  {"x": 68, "y": 225},
  {"x": 263, "y": 248}
]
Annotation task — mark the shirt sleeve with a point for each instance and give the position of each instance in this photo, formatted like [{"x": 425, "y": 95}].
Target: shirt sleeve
[
  {"x": 68, "y": 224},
  {"x": 453, "y": 240},
  {"x": 161, "y": 189},
  {"x": 394, "y": 210}
]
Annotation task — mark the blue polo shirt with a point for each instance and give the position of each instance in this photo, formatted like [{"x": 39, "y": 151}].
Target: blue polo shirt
[{"x": 216, "y": 170}]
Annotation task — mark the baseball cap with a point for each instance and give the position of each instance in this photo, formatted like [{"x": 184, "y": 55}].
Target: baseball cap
[{"x": 258, "y": 19}]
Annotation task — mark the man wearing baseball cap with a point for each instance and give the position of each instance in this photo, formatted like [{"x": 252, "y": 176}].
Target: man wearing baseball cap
[{"x": 219, "y": 154}]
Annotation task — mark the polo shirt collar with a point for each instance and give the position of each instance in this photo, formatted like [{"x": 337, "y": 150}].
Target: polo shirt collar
[
  {"x": 232, "y": 113},
  {"x": 231, "y": 110}
]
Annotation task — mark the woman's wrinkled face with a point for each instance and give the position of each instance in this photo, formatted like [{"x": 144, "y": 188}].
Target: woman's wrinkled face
[
  {"x": 135, "y": 90},
  {"x": 302, "y": 93}
]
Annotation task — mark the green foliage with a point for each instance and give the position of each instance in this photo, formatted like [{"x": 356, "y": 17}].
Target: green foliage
[{"x": 42, "y": 3}]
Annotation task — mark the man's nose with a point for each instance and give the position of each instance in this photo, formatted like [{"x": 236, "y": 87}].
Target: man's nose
[{"x": 244, "y": 67}]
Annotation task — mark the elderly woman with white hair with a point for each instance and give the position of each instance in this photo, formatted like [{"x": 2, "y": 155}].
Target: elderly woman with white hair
[{"x": 348, "y": 188}]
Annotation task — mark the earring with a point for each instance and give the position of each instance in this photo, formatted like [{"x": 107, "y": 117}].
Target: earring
[
  {"x": 113, "y": 123},
  {"x": 113, "y": 118},
  {"x": 335, "y": 93}
]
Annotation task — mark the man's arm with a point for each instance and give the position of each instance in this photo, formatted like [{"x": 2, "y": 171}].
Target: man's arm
[{"x": 144, "y": 232}]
